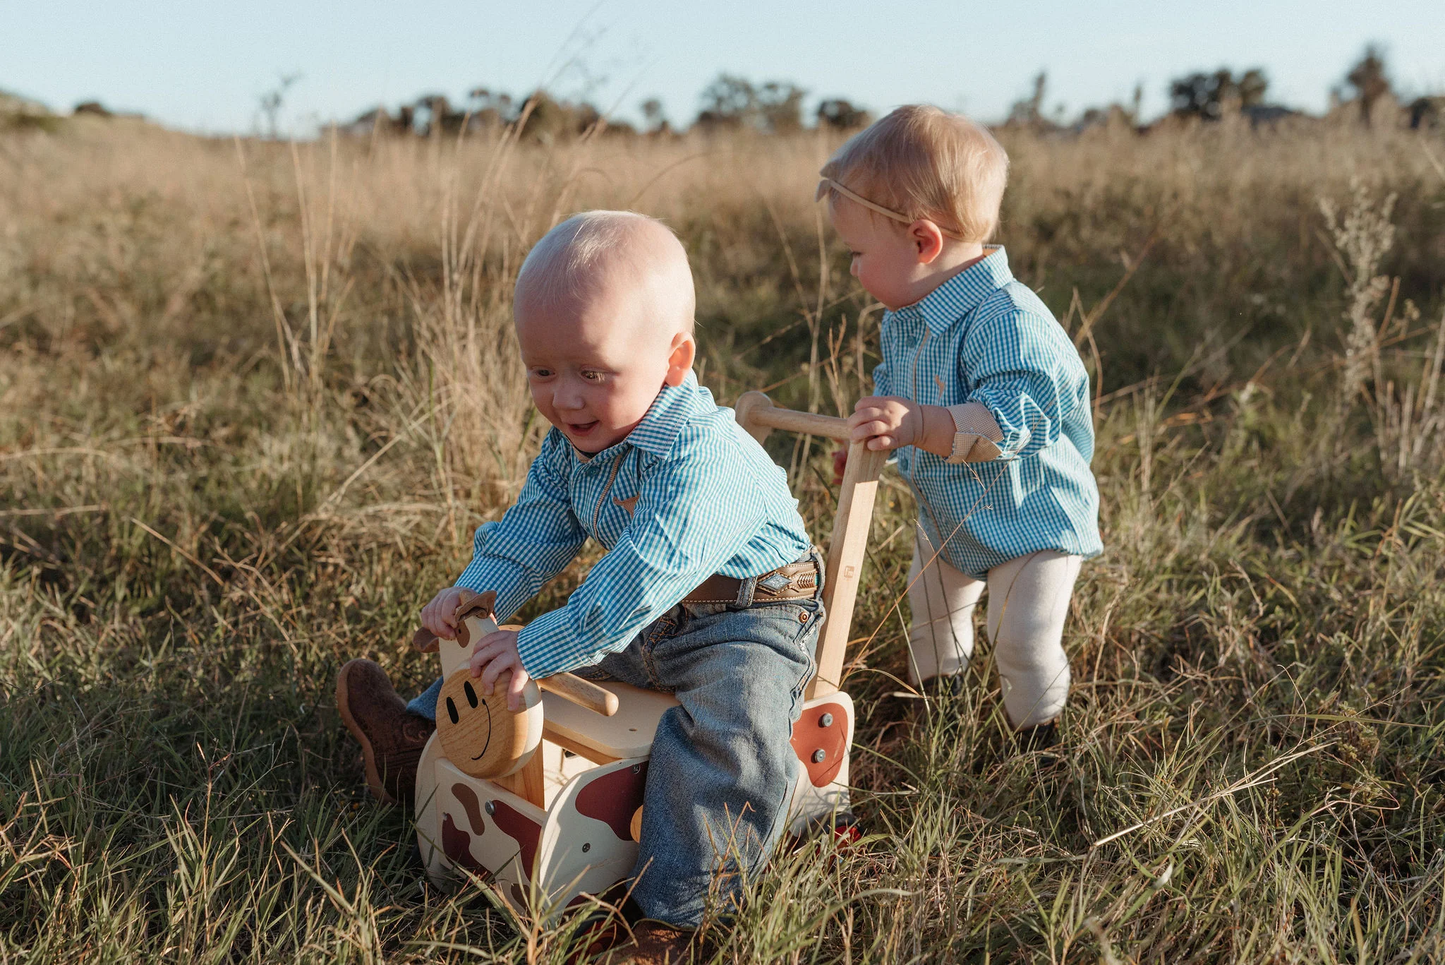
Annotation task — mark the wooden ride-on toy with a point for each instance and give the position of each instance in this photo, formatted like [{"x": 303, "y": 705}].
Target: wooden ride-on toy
[{"x": 548, "y": 801}]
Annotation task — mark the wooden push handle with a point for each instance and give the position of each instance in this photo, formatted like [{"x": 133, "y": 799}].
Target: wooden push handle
[
  {"x": 583, "y": 693},
  {"x": 757, "y": 414}
]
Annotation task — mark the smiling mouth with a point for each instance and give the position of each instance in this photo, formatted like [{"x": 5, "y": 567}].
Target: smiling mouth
[
  {"x": 489, "y": 731},
  {"x": 582, "y": 428}
]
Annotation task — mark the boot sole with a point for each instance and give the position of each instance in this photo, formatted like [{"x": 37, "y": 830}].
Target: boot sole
[{"x": 343, "y": 704}]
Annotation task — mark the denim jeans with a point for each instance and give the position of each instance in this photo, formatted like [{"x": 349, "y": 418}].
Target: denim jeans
[{"x": 722, "y": 770}]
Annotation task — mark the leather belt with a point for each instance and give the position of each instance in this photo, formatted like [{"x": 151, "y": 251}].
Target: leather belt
[{"x": 796, "y": 581}]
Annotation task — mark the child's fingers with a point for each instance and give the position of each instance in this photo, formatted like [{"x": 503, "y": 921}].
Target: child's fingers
[
  {"x": 482, "y": 656},
  {"x": 435, "y": 619},
  {"x": 865, "y": 414},
  {"x": 498, "y": 664},
  {"x": 515, "y": 687},
  {"x": 445, "y": 619},
  {"x": 878, "y": 443},
  {"x": 870, "y": 430}
]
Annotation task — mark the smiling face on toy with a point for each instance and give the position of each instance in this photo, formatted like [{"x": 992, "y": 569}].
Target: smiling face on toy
[{"x": 478, "y": 733}]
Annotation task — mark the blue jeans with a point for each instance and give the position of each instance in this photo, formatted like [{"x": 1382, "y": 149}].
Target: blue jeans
[{"x": 722, "y": 770}]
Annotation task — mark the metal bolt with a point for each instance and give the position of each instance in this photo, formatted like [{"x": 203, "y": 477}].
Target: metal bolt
[
  {"x": 636, "y": 768},
  {"x": 490, "y": 807},
  {"x": 586, "y": 847},
  {"x": 819, "y": 756},
  {"x": 826, "y": 720}
]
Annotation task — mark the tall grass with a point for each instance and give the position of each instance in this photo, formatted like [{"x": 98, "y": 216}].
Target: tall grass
[{"x": 255, "y": 397}]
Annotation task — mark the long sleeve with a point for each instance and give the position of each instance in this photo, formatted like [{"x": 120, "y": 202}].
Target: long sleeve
[
  {"x": 1023, "y": 368},
  {"x": 529, "y": 545},
  {"x": 689, "y": 518}
]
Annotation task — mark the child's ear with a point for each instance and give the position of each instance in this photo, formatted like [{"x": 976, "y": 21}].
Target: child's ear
[
  {"x": 679, "y": 362},
  {"x": 927, "y": 240}
]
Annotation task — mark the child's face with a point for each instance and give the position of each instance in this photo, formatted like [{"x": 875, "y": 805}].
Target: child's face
[
  {"x": 886, "y": 259},
  {"x": 594, "y": 363}
]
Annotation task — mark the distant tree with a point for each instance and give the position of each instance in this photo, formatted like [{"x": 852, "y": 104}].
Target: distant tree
[
  {"x": 378, "y": 120},
  {"x": 1030, "y": 110},
  {"x": 273, "y": 99},
  {"x": 1369, "y": 79},
  {"x": 1251, "y": 87},
  {"x": 93, "y": 108},
  {"x": 488, "y": 108},
  {"x": 546, "y": 119},
  {"x": 731, "y": 102},
  {"x": 434, "y": 115},
  {"x": 1205, "y": 95},
  {"x": 1427, "y": 112},
  {"x": 728, "y": 102},
  {"x": 653, "y": 115},
  {"x": 841, "y": 115},
  {"x": 780, "y": 107}
]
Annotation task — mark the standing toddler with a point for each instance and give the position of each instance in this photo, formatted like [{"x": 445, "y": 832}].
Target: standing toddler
[{"x": 983, "y": 396}]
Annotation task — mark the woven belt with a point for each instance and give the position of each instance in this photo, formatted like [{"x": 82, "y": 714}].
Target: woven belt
[{"x": 796, "y": 581}]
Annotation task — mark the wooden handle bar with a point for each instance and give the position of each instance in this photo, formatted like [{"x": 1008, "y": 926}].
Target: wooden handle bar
[
  {"x": 755, "y": 411},
  {"x": 583, "y": 693}
]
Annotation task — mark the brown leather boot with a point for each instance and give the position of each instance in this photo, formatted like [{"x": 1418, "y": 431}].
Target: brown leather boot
[
  {"x": 654, "y": 943},
  {"x": 391, "y": 739}
]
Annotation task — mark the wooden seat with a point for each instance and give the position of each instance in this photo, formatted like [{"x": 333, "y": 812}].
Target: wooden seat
[{"x": 626, "y": 734}]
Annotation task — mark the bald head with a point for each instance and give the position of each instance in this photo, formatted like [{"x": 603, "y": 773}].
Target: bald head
[
  {"x": 602, "y": 252},
  {"x": 604, "y": 309}
]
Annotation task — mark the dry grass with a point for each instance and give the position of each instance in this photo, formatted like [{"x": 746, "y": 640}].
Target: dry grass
[{"x": 254, "y": 399}]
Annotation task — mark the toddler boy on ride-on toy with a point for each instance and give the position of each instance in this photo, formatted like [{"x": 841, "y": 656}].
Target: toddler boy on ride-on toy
[{"x": 709, "y": 589}]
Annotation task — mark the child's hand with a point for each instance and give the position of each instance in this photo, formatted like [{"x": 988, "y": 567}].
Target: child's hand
[
  {"x": 840, "y": 465},
  {"x": 887, "y": 422},
  {"x": 495, "y": 654},
  {"x": 440, "y": 615}
]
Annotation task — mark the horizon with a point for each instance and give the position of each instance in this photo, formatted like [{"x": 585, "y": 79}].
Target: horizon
[{"x": 206, "y": 72}]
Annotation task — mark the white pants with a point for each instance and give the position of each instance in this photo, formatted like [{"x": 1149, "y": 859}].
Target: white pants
[{"x": 1028, "y": 599}]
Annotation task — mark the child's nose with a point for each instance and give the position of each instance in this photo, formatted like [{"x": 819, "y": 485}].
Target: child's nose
[{"x": 567, "y": 397}]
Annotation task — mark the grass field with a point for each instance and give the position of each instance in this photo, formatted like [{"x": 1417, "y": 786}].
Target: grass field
[{"x": 255, "y": 397}]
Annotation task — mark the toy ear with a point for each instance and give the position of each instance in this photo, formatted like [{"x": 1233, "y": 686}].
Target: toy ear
[
  {"x": 425, "y": 641},
  {"x": 469, "y": 603}
]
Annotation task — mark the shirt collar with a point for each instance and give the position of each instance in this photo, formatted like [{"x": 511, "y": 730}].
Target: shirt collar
[
  {"x": 962, "y": 293},
  {"x": 670, "y": 412}
]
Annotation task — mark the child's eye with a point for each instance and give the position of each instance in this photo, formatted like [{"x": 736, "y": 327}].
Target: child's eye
[
  {"x": 592, "y": 376},
  {"x": 541, "y": 373}
]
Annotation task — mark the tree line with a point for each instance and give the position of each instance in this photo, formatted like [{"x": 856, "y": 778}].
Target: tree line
[
  {"x": 735, "y": 103},
  {"x": 732, "y": 103}
]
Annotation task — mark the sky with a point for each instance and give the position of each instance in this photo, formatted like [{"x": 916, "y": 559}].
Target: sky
[{"x": 204, "y": 66}]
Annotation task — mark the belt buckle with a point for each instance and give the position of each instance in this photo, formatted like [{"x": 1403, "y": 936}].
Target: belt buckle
[{"x": 775, "y": 583}]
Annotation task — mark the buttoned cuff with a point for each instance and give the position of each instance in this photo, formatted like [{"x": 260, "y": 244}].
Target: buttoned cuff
[{"x": 976, "y": 433}]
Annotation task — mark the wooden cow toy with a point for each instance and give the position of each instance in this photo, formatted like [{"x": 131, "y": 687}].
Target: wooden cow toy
[{"x": 547, "y": 802}]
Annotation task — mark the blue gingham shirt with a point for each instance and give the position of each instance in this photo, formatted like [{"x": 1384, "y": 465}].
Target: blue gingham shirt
[
  {"x": 687, "y": 494},
  {"x": 984, "y": 337}
]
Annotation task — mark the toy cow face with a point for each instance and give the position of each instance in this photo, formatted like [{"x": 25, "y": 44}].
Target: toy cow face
[{"x": 479, "y": 734}]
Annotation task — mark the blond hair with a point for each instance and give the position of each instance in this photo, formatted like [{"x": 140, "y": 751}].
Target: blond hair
[{"x": 923, "y": 162}]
